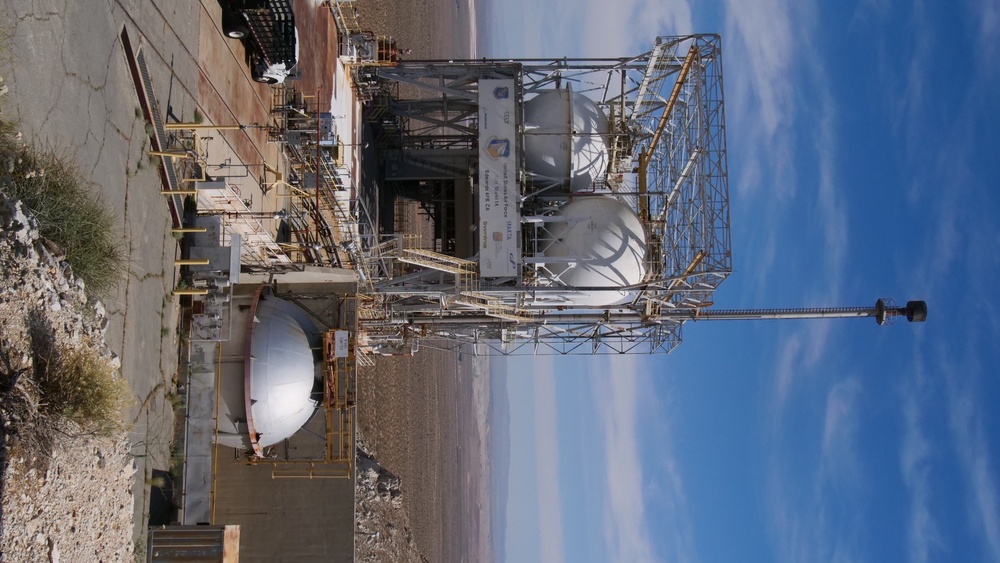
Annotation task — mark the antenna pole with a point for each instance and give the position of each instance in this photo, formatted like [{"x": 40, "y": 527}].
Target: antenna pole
[{"x": 883, "y": 311}]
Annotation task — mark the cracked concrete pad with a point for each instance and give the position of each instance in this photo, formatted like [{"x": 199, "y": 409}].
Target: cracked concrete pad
[{"x": 71, "y": 89}]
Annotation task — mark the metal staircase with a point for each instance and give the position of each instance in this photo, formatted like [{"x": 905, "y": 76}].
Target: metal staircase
[
  {"x": 466, "y": 272},
  {"x": 437, "y": 261},
  {"x": 492, "y": 306}
]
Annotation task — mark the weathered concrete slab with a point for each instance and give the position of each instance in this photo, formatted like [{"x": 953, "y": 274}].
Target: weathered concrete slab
[
  {"x": 71, "y": 88},
  {"x": 248, "y": 496},
  {"x": 200, "y": 434}
]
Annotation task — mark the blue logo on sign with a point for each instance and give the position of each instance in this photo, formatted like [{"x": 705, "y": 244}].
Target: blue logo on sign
[{"x": 501, "y": 92}]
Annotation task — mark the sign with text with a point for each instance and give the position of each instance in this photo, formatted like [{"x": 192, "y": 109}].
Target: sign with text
[
  {"x": 499, "y": 230},
  {"x": 340, "y": 343}
]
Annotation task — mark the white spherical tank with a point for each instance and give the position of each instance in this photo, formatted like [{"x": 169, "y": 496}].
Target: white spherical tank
[
  {"x": 269, "y": 395},
  {"x": 282, "y": 372},
  {"x": 565, "y": 138},
  {"x": 595, "y": 242}
]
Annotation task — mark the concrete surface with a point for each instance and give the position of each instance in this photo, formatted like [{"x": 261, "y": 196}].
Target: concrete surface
[
  {"x": 71, "y": 89},
  {"x": 264, "y": 507}
]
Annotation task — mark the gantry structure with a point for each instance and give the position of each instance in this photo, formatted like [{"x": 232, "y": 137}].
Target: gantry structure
[{"x": 666, "y": 160}]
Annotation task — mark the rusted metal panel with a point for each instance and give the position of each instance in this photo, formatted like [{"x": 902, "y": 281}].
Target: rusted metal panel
[{"x": 208, "y": 544}]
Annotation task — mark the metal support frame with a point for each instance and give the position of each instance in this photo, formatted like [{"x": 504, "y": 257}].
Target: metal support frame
[{"x": 667, "y": 119}]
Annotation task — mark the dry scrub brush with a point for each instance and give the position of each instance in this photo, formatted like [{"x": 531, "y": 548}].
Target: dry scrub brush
[
  {"x": 67, "y": 209},
  {"x": 83, "y": 386}
]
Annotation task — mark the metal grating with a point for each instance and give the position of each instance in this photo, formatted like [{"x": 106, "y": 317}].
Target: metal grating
[{"x": 160, "y": 141}]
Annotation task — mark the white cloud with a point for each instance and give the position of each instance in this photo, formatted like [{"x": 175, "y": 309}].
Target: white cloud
[
  {"x": 923, "y": 533},
  {"x": 626, "y": 532},
  {"x": 786, "y": 369},
  {"x": 839, "y": 464},
  {"x": 905, "y": 77},
  {"x": 958, "y": 235},
  {"x": 968, "y": 432},
  {"x": 813, "y": 504},
  {"x": 588, "y": 28},
  {"x": 831, "y": 217},
  {"x": 763, "y": 30},
  {"x": 987, "y": 14},
  {"x": 786, "y": 156},
  {"x": 626, "y": 27},
  {"x": 831, "y": 207},
  {"x": 868, "y": 13},
  {"x": 817, "y": 517},
  {"x": 799, "y": 354},
  {"x": 547, "y": 465},
  {"x": 956, "y": 252},
  {"x": 785, "y": 146},
  {"x": 627, "y": 494},
  {"x": 760, "y": 36},
  {"x": 777, "y": 68}
]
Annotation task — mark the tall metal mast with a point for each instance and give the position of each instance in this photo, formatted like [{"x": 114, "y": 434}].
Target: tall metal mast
[{"x": 883, "y": 311}]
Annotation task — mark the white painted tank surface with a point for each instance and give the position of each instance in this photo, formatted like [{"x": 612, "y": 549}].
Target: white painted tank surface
[
  {"x": 279, "y": 377},
  {"x": 594, "y": 242},
  {"x": 565, "y": 138}
]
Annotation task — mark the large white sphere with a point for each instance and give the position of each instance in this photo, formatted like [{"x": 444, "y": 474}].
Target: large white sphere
[
  {"x": 598, "y": 242},
  {"x": 282, "y": 372},
  {"x": 565, "y": 138}
]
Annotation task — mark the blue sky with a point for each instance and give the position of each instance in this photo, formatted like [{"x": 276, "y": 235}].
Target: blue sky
[{"x": 863, "y": 141}]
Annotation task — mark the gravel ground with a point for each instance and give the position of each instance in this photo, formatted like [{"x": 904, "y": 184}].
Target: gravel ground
[
  {"x": 432, "y": 29},
  {"x": 408, "y": 418},
  {"x": 67, "y": 495},
  {"x": 384, "y": 531}
]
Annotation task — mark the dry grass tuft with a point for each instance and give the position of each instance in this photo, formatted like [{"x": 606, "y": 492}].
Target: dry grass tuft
[
  {"x": 81, "y": 385},
  {"x": 68, "y": 213}
]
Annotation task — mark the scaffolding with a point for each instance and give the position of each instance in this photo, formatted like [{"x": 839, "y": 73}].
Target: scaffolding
[
  {"x": 667, "y": 162},
  {"x": 324, "y": 216}
]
